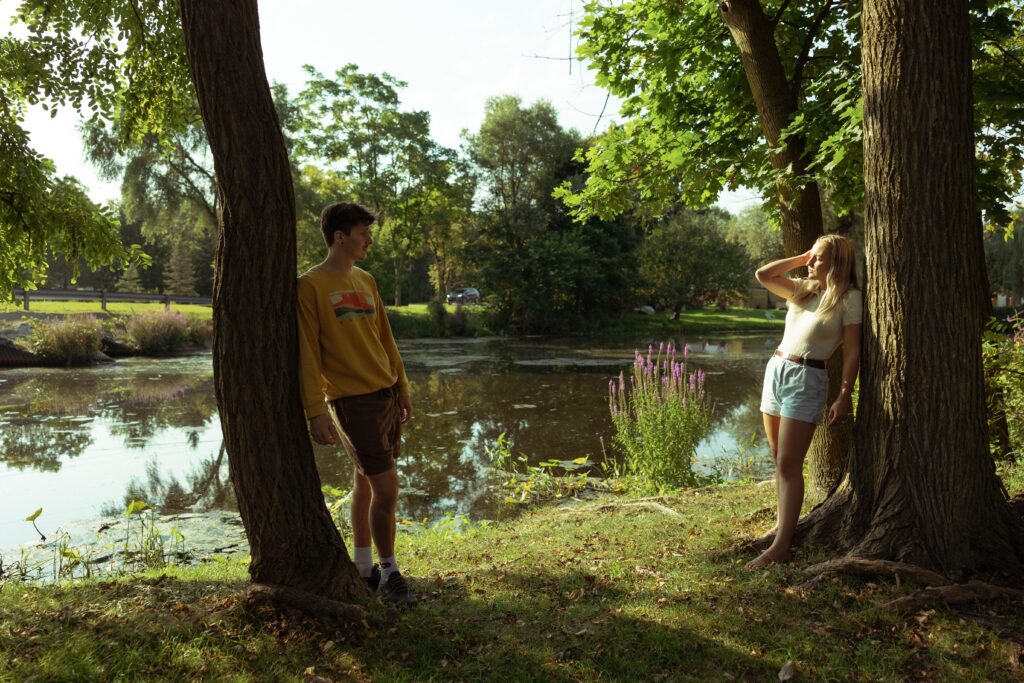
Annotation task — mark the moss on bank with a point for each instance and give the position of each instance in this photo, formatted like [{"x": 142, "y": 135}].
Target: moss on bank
[{"x": 612, "y": 589}]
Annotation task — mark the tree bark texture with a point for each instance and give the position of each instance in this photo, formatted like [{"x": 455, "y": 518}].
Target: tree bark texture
[
  {"x": 802, "y": 223},
  {"x": 830, "y": 447},
  {"x": 921, "y": 487},
  {"x": 293, "y": 540}
]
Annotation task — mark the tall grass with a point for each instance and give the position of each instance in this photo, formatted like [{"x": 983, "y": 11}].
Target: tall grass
[
  {"x": 75, "y": 340},
  {"x": 158, "y": 333},
  {"x": 660, "y": 415}
]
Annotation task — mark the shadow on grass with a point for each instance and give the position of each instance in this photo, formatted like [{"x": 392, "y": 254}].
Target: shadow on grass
[
  {"x": 544, "y": 626},
  {"x": 521, "y": 626}
]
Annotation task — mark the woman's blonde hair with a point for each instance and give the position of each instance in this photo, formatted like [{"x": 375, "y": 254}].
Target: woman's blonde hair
[{"x": 842, "y": 274}]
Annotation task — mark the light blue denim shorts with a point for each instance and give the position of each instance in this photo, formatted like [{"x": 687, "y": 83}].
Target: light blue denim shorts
[{"x": 794, "y": 391}]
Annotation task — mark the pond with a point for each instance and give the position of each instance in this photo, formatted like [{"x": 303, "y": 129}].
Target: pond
[{"x": 80, "y": 442}]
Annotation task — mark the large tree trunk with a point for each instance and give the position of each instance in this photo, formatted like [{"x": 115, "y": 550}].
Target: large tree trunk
[
  {"x": 293, "y": 540},
  {"x": 921, "y": 487},
  {"x": 776, "y": 101}
]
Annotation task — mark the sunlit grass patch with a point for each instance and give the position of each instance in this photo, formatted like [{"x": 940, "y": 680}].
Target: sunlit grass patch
[{"x": 119, "y": 307}]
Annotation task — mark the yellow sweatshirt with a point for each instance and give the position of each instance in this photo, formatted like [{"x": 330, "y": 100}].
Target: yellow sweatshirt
[{"x": 345, "y": 343}]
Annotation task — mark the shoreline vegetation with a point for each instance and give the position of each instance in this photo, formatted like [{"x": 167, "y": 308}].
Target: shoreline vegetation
[
  {"x": 610, "y": 586},
  {"x": 72, "y": 333}
]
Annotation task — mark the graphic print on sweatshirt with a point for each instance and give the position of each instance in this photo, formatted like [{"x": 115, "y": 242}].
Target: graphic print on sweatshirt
[{"x": 352, "y": 303}]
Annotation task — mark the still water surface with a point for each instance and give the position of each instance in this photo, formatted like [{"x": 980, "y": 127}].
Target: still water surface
[{"x": 78, "y": 442}]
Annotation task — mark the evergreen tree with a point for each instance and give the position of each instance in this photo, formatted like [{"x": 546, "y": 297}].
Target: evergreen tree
[
  {"x": 181, "y": 275},
  {"x": 129, "y": 281}
]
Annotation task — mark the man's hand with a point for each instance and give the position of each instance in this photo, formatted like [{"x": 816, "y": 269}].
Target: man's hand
[
  {"x": 405, "y": 403},
  {"x": 322, "y": 429}
]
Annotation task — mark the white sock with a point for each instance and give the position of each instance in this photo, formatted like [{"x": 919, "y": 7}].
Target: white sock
[
  {"x": 363, "y": 558},
  {"x": 387, "y": 566}
]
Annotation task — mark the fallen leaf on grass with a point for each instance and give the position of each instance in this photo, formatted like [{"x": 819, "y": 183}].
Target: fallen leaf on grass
[
  {"x": 310, "y": 675},
  {"x": 922, "y": 617},
  {"x": 788, "y": 671}
]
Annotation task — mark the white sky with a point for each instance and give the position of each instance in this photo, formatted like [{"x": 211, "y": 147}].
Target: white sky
[{"x": 454, "y": 54}]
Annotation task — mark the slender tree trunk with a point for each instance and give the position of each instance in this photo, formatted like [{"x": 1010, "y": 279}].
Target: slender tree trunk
[
  {"x": 802, "y": 223},
  {"x": 921, "y": 486},
  {"x": 398, "y": 281},
  {"x": 293, "y": 540},
  {"x": 776, "y": 103}
]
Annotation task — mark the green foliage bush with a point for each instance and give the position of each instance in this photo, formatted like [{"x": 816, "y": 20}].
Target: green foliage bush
[
  {"x": 447, "y": 324},
  {"x": 75, "y": 340},
  {"x": 159, "y": 333},
  {"x": 200, "y": 331},
  {"x": 1003, "y": 353},
  {"x": 410, "y": 326},
  {"x": 660, "y": 416}
]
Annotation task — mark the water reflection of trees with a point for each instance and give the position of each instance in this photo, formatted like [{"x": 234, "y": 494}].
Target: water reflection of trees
[
  {"x": 48, "y": 418},
  {"x": 548, "y": 410},
  {"x": 206, "y": 487},
  {"x": 42, "y": 445}
]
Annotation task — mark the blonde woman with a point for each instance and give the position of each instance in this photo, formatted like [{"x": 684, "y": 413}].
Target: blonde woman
[{"x": 824, "y": 311}]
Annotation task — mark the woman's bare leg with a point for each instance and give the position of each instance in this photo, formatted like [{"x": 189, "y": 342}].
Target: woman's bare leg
[
  {"x": 793, "y": 441},
  {"x": 771, "y": 430}
]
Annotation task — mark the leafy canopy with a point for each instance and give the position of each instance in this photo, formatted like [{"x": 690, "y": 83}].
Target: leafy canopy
[
  {"x": 690, "y": 127},
  {"x": 107, "y": 59}
]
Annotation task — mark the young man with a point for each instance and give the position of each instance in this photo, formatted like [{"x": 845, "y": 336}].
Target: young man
[{"x": 348, "y": 355}]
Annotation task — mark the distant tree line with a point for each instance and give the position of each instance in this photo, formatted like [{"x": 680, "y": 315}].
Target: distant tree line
[{"x": 484, "y": 215}]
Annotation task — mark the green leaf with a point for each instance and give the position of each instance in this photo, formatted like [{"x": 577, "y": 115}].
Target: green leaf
[
  {"x": 136, "y": 507},
  {"x": 34, "y": 516}
]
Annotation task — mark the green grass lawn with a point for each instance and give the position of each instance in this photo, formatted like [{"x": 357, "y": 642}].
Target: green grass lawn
[
  {"x": 611, "y": 589},
  {"x": 116, "y": 308},
  {"x": 413, "y": 320},
  {"x": 704, "y": 320}
]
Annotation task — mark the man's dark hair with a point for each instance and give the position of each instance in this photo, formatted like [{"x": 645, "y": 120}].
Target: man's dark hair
[{"x": 343, "y": 216}]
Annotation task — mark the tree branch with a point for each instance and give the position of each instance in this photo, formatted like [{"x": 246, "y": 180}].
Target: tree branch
[
  {"x": 805, "y": 51},
  {"x": 774, "y": 21}
]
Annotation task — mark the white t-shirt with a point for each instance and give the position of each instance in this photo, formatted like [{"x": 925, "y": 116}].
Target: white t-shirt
[{"x": 810, "y": 335}]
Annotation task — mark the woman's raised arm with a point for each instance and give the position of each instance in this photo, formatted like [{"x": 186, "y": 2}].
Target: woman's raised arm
[{"x": 773, "y": 275}]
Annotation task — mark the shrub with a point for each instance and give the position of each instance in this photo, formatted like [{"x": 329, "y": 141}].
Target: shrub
[
  {"x": 158, "y": 333},
  {"x": 75, "y": 340},
  {"x": 200, "y": 331},
  {"x": 410, "y": 325},
  {"x": 457, "y": 324},
  {"x": 438, "y": 317},
  {"x": 1003, "y": 354},
  {"x": 660, "y": 416}
]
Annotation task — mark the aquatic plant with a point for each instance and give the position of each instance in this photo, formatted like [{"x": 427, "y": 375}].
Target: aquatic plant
[{"x": 660, "y": 415}]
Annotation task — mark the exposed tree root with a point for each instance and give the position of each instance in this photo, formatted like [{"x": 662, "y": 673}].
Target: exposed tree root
[
  {"x": 351, "y": 619},
  {"x": 865, "y": 567},
  {"x": 953, "y": 595}
]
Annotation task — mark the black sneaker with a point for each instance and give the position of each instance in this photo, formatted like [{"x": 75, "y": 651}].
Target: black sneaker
[
  {"x": 373, "y": 580},
  {"x": 396, "y": 589}
]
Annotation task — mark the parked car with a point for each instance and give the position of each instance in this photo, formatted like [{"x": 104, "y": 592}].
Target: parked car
[{"x": 463, "y": 295}]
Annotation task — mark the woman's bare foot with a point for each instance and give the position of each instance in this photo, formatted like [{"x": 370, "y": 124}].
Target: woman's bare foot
[{"x": 768, "y": 558}]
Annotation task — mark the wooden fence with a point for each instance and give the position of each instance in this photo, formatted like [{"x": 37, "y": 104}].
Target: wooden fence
[{"x": 104, "y": 297}]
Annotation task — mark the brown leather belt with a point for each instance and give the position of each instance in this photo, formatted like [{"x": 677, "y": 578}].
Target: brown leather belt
[{"x": 809, "y": 362}]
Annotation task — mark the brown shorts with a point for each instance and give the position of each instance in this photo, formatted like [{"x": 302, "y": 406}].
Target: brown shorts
[{"x": 373, "y": 424}]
